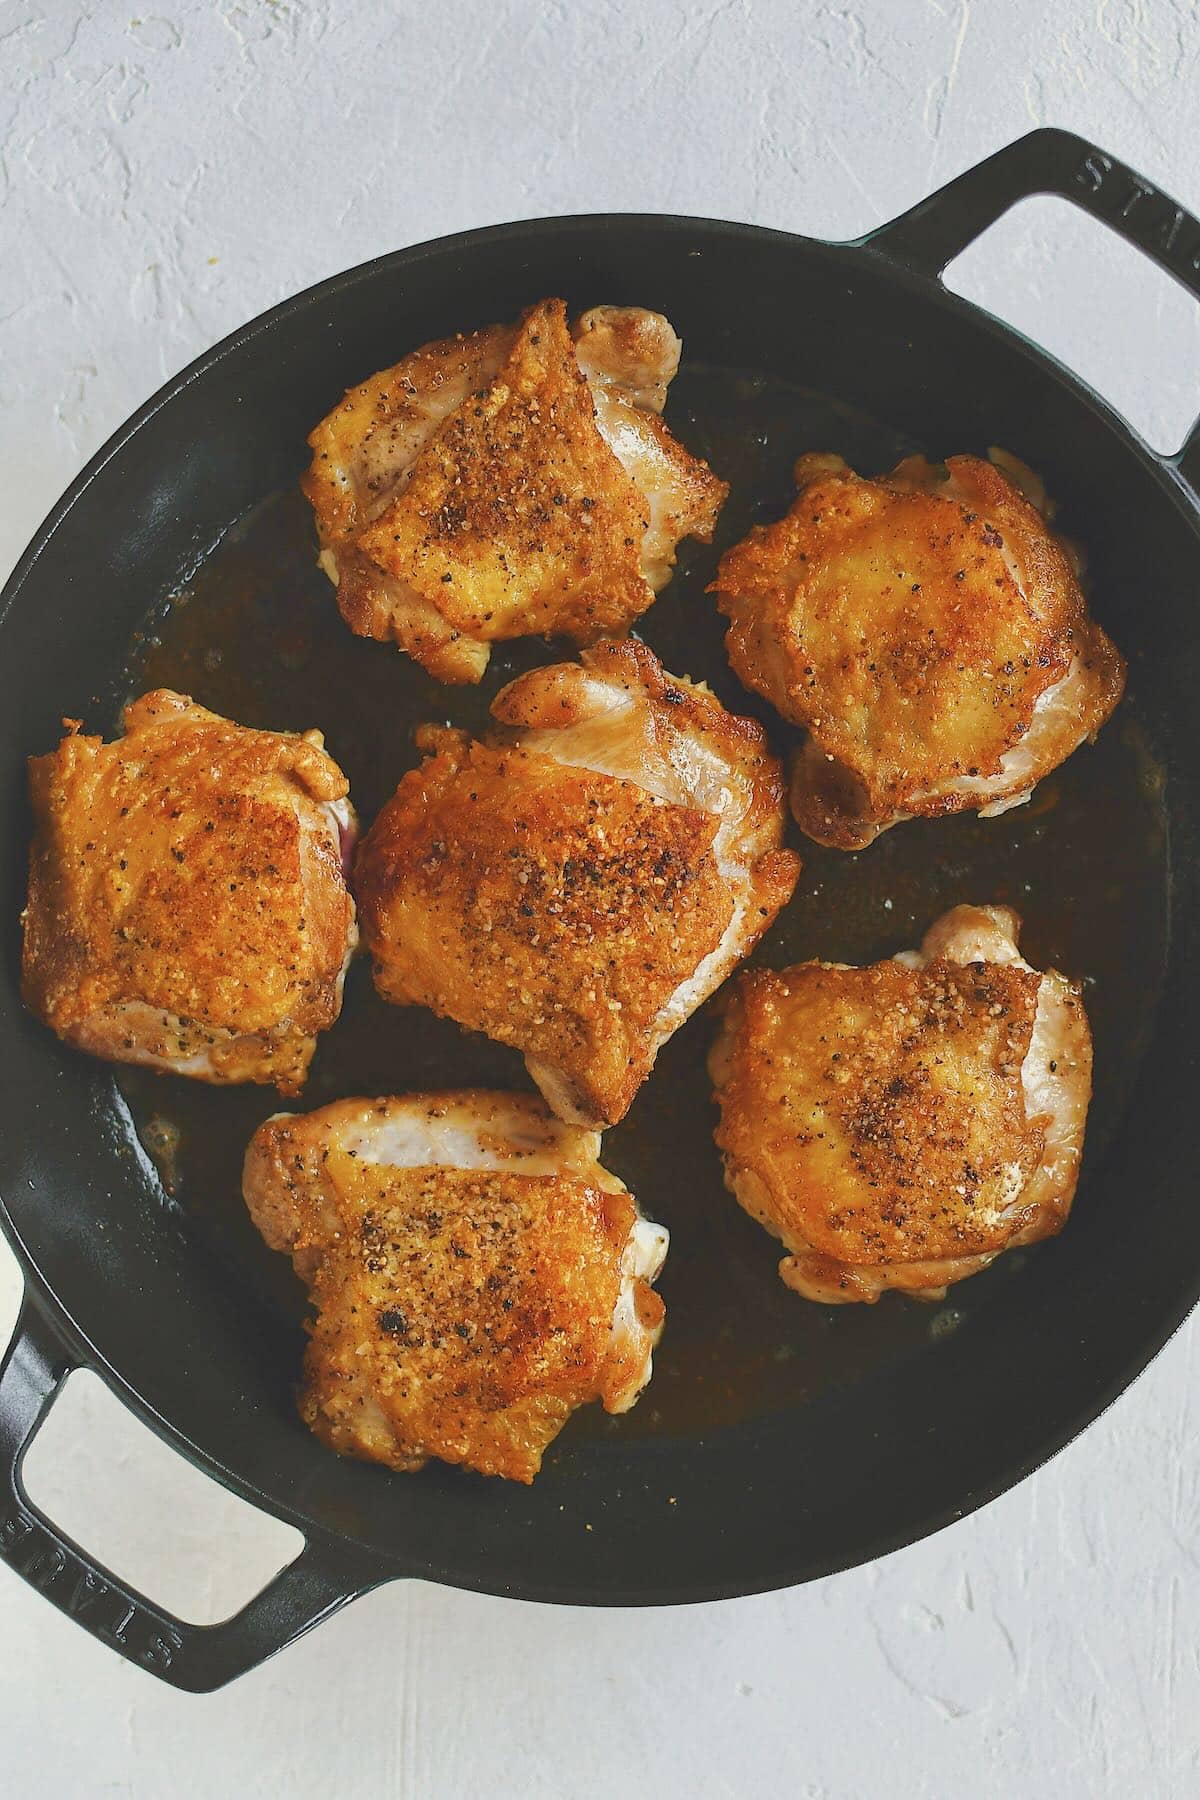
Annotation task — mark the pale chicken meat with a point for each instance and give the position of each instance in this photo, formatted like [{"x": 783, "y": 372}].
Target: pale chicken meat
[
  {"x": 476, "y": 1275},
  {"x": 901, "y": 1125},
  {"x": 188, "y": 906},
  {"x": 579, "y": 881},
  {"x": 513, "y": 482},
  {"x": 929, "y": 632}
]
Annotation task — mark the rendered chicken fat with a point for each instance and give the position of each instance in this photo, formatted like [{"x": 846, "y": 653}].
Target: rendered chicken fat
[
  {"x": 477, "y": 1274},
  {"x": 901, "y": 1125}
]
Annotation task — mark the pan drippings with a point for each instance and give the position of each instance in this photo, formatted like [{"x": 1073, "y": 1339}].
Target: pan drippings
[{"x": 256, "y": 636}]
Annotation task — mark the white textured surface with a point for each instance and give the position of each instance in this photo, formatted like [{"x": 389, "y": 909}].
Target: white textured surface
[{"x": 161, "y": 179}]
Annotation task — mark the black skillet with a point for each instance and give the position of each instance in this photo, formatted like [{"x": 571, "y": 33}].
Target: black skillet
[{"x": 779, "y": 1441}]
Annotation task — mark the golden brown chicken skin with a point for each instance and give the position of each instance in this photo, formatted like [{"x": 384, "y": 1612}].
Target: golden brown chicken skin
[
  {"x": 512, "y": 482},
  {"x": 929, "y": 632},
  {"x": 187, "y": 902},
  {"x": 476, "y": 1274},
  {"x": 899, "y": 1126},
  {"x": 580, "y": 882}
]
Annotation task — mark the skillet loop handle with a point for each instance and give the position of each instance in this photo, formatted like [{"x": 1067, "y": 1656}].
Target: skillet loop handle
[
  {"x": 196, "y": 1658},
  {"x": 1050, "y": 161}
]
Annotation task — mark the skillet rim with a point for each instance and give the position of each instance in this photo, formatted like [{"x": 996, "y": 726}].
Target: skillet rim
[{"x": 40, "y": 1289}]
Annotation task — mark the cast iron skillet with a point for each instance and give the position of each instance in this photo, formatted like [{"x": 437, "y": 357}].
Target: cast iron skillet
[{"x": 779, "y": 1441}]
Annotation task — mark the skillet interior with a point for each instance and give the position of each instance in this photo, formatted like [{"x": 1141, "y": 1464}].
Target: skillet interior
[{"x": 778, "y": 1440}]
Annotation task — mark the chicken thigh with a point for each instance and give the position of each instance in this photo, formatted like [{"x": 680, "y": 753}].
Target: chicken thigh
[
  {"x": 579, "y": 882},
  {"x": 929, "y": 632},
  {"x": 903, "y": 1124},
  {"x": 188, "y": 907},
  {"x": 512, "y": 482},
  {"x": 476, "y": 1274}
]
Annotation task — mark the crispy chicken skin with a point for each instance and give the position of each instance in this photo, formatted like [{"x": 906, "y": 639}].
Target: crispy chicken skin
[
  {"x": 476, "y": 1275},
  {"x": 187, "y": 905},
  {"x": 929, "y": 632},
  {"x": 903, "y": 1124},
  {"x": 512, "y": 482},
  {"x": 577, "y": 884}
]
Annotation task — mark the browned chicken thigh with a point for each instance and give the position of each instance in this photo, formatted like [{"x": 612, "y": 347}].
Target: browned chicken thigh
[
  {"x": 577, "y": 884},
  {"x": 512, "y": 482},
  {"x": 929, "y": 632},
  {"x": 477, "y": 1275},
  {"x": 903, "y": 1124},
  {"x": 188, "y": 907}
]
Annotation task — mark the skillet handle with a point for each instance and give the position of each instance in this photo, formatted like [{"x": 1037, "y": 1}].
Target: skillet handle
[
  {"x": 196, "y": 1658},
  {"x": 1050, "y": 161}
]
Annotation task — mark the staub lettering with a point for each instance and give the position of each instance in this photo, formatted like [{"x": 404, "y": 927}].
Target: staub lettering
[
  {"x": 12, "y": 1530},
  {"x": 85, "y": 1595},
  {"x": 1145, "y": 215},
  {"x": 1094, "y": 167}
]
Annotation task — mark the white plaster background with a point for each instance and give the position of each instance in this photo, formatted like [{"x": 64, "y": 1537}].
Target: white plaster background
[{"x": 163, "y": 177}]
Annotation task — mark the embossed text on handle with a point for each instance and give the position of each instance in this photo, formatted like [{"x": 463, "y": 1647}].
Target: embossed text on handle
[{"x": 59, "y": 1572}]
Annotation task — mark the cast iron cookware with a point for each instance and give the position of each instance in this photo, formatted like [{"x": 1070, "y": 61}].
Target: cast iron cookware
[{"x": 778, "y": 1441}]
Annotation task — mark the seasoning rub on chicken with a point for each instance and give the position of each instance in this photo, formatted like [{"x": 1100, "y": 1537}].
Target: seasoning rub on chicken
[
  {"x": 929, "y": 632},
  {"x": 477, "y": 1275},
  {"x": 188, "y": 907},
  {"x": 580, "y": 881},
  {"x": 903, "y": 1124},
  {"x": 512, "y": 482}
]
